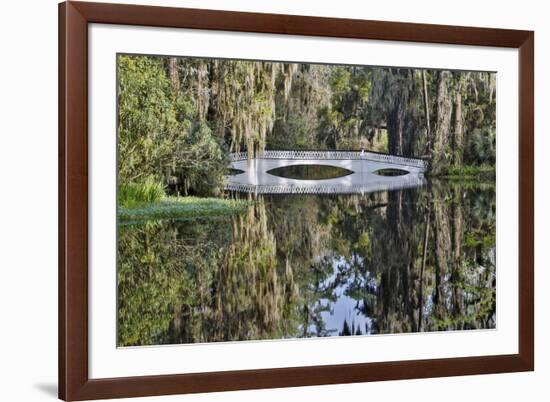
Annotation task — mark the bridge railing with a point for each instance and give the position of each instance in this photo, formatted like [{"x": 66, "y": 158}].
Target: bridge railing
[
  {"x": 328, "y": 155},
  {"x": 325, "y": 189},
  {"x": 238, "y": 156}
]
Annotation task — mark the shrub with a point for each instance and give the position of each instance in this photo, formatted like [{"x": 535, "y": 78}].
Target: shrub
[{"x": 131, "y": 195}]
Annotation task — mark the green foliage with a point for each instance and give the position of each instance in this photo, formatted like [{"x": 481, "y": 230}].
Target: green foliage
[
  {"x": 481, "y": 296},
  {"x": 179, "y": 132},
  {"x": 481, "y": 146},
  {"x": 236, "y": 98},
  {"x": 203, "y": 280},
  {"x": 343, "y": 123},
  {"x": 484, "y": 172},
  {"x": 195, "y": 269},
  {"x": 162, "y": 270},
  {"x": 152, "y": 123},
  {"x": 479, "y": 93},
  {"x": 383, "y": 143},
  {"x": 363, "y": 244},
  {"x": 131, "y": 195},
  {"x": 296, "y": 123},
  {"x": 276, "y": 269},
  {"x": 481, "y": 239},
  {"x": 396, "y": 101},
  {"x": 205, "y": 163},
  {"x": 158, "y": 138},
  {"x": 340, "y": 81}
]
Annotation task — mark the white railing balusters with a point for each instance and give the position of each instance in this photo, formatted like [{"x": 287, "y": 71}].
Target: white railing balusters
[
  {"x": 334, "y": 155},
  {"x": 323, "y": 189}
]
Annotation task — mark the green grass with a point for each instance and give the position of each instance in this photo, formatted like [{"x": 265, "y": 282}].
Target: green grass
[
  {"x": 486, "y": 172},
  {"x": 132, "y": 195},
  {"x": 181, "y": 208}
]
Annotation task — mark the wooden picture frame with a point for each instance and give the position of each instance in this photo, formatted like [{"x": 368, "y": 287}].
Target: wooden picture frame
[{"x": 74, "y": 381}]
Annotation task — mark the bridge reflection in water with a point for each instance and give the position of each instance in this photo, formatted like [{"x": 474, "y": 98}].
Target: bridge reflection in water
[{"x": 364, "y": 179}]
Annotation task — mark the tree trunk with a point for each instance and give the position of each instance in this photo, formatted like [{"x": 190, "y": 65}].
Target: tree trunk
[
  {"x": 443, "y": 244},
  {"x": 174, "y": 73},
  {"x": 458, "y": 143},
  {"x": 426, "y": 109},
  {"x": 457, "y": 236},
  {"x": 203, "y": 92},
  {"x": 423, "y": 268},
  {"x": 396, "y": 127},
  {"x": 443, "y": 123}
]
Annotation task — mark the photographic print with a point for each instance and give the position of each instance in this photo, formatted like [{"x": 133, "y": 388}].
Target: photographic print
[{"x": 262, "y": 200}]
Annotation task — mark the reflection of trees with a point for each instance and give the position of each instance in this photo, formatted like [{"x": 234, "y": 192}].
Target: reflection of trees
[
  {"x": 252, "y": 290},
  {"x": 162, "y": 269},
  {"x": 456, "y": 289},
  {"x": 203, "y": 281},
  {"x": 302, "y": 241},
  {"x": 377, "y": 235},
  {"x": 471, "y": 301},
  {"x": 410, "y": 261},
  {"x": 396, "y": 253}
]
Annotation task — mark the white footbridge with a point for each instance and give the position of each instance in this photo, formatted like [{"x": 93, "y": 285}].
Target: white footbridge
[{"x": 255, "y": 176}]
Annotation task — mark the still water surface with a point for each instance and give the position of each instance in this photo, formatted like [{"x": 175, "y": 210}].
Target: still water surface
[{"x": 402, "y": 261}]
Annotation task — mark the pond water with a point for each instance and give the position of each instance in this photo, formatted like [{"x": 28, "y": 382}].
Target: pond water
[
  {"x": 294, "y": 266},
  {"x": 310, "y": 172},
  {"x": 391, "y": 172}
]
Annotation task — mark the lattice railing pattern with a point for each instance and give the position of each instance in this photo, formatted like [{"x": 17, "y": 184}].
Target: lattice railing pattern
[
  {"x": 320, "y": 189},
  {"x": 332, "y": 155}
]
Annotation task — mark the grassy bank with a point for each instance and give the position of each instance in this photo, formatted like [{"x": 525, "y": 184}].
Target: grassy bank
[
  {"x": 181, "y": 208},
  {"x": 482, "y": 172},
  {"x": 148, "y": 201}
]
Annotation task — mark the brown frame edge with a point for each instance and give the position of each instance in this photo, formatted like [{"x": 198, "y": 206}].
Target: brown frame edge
[{"x": 74, "y": 18}]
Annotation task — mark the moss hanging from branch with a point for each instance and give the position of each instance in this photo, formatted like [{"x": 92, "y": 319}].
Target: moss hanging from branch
[{"x": 242, "y": 100}]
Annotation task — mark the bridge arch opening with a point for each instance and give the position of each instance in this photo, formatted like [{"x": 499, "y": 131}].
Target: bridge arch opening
[
  {"x": 310, "y": 171},
  {"x": 234, "y": 172},
  {"x": 391, "y": 172}
]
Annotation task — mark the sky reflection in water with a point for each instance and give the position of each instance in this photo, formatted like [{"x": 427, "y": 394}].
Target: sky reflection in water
[{"x": 314, "y": 265}]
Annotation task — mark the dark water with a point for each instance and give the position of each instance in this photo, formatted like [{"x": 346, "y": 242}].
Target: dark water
[
  {"x": 310, "y": 172},
  {"x": 307, "y": 266},
  {"x": 391, "y": 172}
]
